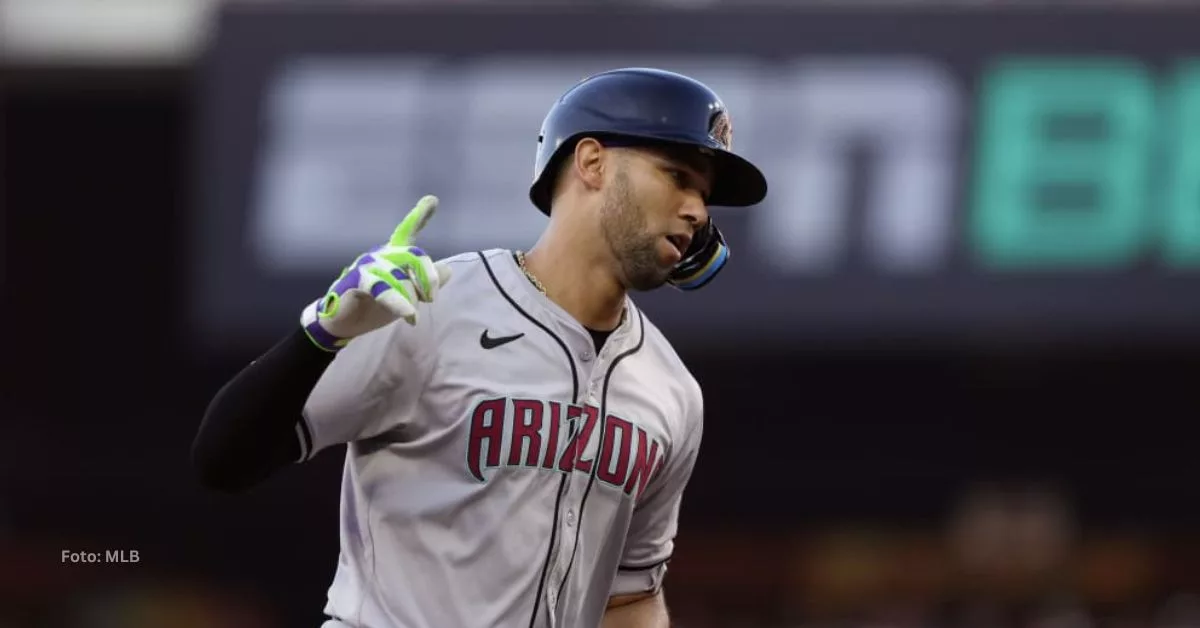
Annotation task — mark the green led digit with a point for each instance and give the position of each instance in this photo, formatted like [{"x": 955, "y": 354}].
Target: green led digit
[
  {"x": 1062, "y": 163},
  {"x": 1181, "y": 237}
]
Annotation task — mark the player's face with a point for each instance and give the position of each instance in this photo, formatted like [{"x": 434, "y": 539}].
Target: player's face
[{"x": 653, "y": 203}]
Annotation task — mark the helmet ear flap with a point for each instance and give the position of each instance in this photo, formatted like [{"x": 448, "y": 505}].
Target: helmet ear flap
[{"x": 706, "y": 256}]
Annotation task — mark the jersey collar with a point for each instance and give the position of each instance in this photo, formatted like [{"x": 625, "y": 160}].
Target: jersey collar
[{"x": 550, "y": 312}]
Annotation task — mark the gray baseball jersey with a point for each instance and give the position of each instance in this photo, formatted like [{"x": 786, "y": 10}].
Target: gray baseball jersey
[{"x": 499, "y": 471}]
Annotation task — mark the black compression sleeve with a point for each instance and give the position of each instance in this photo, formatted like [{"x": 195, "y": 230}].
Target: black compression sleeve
[{"x": 249, "y": 429}]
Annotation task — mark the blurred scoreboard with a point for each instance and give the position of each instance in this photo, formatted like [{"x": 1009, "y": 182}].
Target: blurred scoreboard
[{"x": 982, "y": 174}]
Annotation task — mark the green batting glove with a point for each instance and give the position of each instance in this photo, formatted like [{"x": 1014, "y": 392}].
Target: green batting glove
[{"x": 382, "y": 285}]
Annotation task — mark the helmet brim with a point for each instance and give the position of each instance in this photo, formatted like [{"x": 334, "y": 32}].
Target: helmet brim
[{"x": 736, "y": 181}]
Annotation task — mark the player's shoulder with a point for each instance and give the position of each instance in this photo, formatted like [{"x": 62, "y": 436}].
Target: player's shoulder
[
  {"x": 677, "y": 377},
  {"x": 470, "y": 267},
  {"x": 468, "y": 259},
  {"x": 474, "y": 259},
  {"x": 480, "y": 287},
  {"x": 459, "y": 301},
  {"x": 656, "y": 342},
  {"x": 661, "y": 348}
]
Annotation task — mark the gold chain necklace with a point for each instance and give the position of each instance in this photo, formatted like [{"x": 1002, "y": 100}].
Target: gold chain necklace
[
  {"x": 528, "y": 275},
  {"x": 537, "y": 284}
]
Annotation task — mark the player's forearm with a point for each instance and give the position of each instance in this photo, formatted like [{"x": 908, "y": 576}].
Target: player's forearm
[
  {"x": 649, "y": 612},
  {"x": 249, "y": 428}
]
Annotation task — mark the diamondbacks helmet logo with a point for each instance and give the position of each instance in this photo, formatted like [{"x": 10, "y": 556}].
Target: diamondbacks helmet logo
[{"x": 720, "y": 128}]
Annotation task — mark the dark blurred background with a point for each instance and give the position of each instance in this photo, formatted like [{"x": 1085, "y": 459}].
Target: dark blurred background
[{"x": 951, "y": 374}]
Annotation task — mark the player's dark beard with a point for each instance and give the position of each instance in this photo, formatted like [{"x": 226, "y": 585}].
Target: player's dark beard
[{"x": 628, "y": 237}]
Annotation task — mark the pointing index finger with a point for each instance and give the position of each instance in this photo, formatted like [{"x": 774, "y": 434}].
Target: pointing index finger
[{"x": 406, "y": 232}]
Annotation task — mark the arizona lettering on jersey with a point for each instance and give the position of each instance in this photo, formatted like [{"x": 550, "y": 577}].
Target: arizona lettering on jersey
[
  {"x": 540, "y": 435},
  {"x": 499, "y": 471}
]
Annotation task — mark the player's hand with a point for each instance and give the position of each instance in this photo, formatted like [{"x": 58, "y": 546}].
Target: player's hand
[{"x": 381, "y": 286}]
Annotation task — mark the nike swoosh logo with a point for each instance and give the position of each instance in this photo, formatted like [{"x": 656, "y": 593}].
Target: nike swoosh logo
[{"x": 487, "y": 342}]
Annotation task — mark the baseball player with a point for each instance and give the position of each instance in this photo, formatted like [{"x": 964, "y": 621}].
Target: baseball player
[{"x": 518, "y": 438}]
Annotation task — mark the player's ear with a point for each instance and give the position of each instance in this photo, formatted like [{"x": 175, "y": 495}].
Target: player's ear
[{"x": 589, "y": 163}]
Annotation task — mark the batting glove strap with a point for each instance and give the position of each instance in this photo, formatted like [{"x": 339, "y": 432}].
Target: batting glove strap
[{"x": 310, "y": 321}]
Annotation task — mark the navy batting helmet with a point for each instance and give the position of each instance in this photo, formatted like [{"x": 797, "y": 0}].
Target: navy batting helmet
[{"x": 653, "y": 107}]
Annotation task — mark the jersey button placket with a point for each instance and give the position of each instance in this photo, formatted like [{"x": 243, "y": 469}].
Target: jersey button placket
[
  {"x": 595, "y": 384},
  {"x": 562, "y": 558},
  {"x": 570, "y": 518},
  {"x": 556, "y": 576},
  {"x": 565, "y": 542}
]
